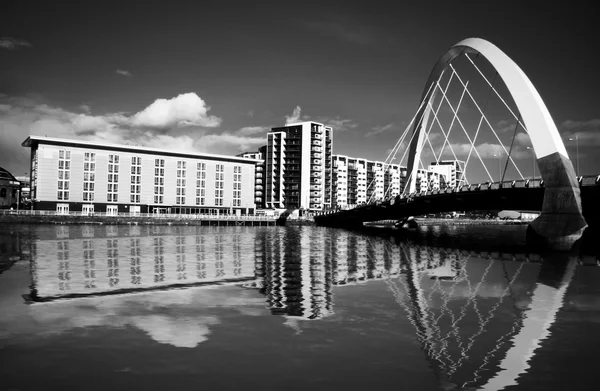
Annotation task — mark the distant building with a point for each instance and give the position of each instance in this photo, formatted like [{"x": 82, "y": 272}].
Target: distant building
[
  {"x": 88, "y": 177},
  {"x": 429, "y": 180},
  {"x": 357, "y": 181},
  {"x": 9, "y": 190},
  {"x": 452, "y": 170},
  {"x": 298, "y": 169}
]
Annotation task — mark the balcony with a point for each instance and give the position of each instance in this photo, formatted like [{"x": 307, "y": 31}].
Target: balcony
[
  {"x": 315, "y": 187},
  {"x": 316, "y": 136},
  {"x": 316, "y": 155},
  {"x": 316, "y": 142},
  {"x": 316, "y": 149},
  {"x": 258, "y": 187},
  {"x": 315, "y": 175}
]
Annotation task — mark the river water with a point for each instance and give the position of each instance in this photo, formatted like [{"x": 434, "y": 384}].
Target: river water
[{"x": 293, "y": 308}]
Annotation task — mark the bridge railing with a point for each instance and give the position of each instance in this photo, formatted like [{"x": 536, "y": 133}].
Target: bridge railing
[{"x": 584, "y": 180}]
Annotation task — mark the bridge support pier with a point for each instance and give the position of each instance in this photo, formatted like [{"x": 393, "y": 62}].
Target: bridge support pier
[{"x": 561, "y": 222}]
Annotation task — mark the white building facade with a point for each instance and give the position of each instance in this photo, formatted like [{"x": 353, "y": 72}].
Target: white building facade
[
  {"x": 87, "y": 177},
  {"x": 358, "y": 181},
  {"x": 452, "y": 170}
]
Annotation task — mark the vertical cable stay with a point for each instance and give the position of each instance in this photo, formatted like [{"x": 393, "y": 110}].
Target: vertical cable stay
[
  {"x": 430, "y": 126},
  {"x": 497, "y": 93},
  {"x": 446, "y": 135},
  {"x": 491, "y": 127},
  {"x": 510, "y": 150},
  {"x": 450, "y": 127},
  {"x": 479, "y": 125},
  {"x": 466, "y": 133},
  {"x": 402, "y": 137}
]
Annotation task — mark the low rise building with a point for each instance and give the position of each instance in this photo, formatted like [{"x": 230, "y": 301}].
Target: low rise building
[
  {"x": 9, "y": 190},
  {"x": 87, "y": 177}
]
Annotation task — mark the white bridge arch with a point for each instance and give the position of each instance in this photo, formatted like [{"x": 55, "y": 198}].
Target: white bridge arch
[{"x": 561, "y": 213}]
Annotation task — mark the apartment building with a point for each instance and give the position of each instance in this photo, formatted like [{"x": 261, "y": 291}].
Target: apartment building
[
  {"x": 298, "y": 169},
  {"x": 357, "y": 181},
  {"x": 72, "y": 175},
  {"x": 452, "y": 170}
]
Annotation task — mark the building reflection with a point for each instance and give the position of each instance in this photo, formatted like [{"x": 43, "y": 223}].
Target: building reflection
[
  {"x": 10, "y": 248},
  {"x": 72, "y": 261},
  {"x": 478, "y": 316}
]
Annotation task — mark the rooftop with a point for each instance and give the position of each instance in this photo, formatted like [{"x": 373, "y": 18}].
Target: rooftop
[{"x": 33, "y": 140}]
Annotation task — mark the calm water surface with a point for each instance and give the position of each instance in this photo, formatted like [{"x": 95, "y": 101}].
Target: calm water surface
[{"x": 293, "y": 308}]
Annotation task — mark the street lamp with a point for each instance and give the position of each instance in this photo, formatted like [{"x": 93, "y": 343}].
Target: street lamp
[
  {"x": 533, "y": 160},
  {"x": 577, "y": 146},
  {"x": 499, "y": 156}
]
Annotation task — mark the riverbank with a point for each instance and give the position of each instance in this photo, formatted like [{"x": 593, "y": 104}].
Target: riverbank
[
  {"x": 133, "y": 220},
  {"x": 459, "y": 221}
]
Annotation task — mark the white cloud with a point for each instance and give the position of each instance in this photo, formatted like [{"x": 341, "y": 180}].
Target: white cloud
[
  {"x": 183, "y": 110},
  {"x": 487, "y": 151},
  {"x": 338, "y": 124},
  {"x": 587, "y": 132},
  {"x": 252, "y": 130},
  {"x": 13, "y": 43},
  {"x": 123, "y": 72},
  {"x": 295, "y": 117},
  {"x": 20, "y": 117},
  {"x": 379, "y": 129}
]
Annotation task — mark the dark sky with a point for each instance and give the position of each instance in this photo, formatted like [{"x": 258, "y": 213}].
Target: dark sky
[{"x": 95, "y": 69}]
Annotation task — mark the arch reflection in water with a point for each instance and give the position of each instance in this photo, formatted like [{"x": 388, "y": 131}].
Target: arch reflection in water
[
  {"x": 71, "y": 262},
  {"x": 479, "y": 316}
]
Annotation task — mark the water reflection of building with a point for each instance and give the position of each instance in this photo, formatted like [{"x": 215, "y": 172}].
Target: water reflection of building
[
  {"x": 479, "y": 316},
  {"x": 297, "y": 273},
  {"x": 10, "y": 248},
  {"x": 71, "y": 261}
]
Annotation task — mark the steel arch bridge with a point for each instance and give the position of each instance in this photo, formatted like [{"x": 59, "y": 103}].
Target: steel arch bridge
[{"x": 558, "y": 195}]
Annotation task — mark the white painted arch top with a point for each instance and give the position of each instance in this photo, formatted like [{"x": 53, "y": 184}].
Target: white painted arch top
[{"x": 542, "y": 130}]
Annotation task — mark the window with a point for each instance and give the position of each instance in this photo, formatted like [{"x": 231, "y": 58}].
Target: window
[
  {"x": 181, "y": 182},
  {"x": 112, "y": 210},
  {"x": 136, "y": 179},
  {"x": 113, "y": 179},
  {"x": 159, "y": 181},
  {"x": 237, "y": 186},
  {"x": 64, "y": 174},
  {"x": 201, "y": 183},
  {"x": 219, "y": 184},
  {"x": 89, "y": 176},
  {"x": 62, "y": 209}
]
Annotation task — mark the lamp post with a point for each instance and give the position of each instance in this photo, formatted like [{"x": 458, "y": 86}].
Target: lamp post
[
  {"x": 576, "y": 146},
  {"x": 533, "y": 160},
  {"x": 499, "y": 156}
]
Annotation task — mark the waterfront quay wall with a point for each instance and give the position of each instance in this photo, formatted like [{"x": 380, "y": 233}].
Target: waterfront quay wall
[{"x": 129, "y": 220}]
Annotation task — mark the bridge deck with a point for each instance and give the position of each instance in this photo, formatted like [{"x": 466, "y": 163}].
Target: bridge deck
[{"x": 468, "y": 199}]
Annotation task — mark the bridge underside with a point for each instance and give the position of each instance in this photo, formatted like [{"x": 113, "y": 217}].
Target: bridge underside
[{"x": 531, "y": 199}]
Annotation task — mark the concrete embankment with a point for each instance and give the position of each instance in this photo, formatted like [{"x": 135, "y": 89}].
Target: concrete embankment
[
  {"x": 461, "y": 221},
  {"x": 128, "y": 220}
]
